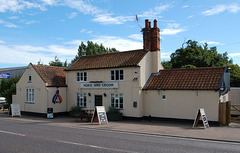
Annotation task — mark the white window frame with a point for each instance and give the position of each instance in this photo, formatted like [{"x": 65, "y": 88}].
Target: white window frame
[
  {"x": 81, "y": 100},
  {"x": 30, "y": 95},
  {"x": 117, "y": 100},
  {"x": 116, "y": 75},
  {"x": 81, "y": 76}
]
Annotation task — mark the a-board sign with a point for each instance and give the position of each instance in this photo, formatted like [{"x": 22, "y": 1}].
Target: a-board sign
[
  {"x": 99, "y": 115},
  {"x": 15, "y": 110},
  {"x": 201, "y": 113}
]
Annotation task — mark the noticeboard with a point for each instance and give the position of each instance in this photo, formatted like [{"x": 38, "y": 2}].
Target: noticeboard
[
  {"x": 201, "y": 113},
  {"x": 15, "y": 110},
  {"x": 100, "y": 115}
]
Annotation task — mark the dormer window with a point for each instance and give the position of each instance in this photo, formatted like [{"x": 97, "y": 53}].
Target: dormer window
[
  {"x": 117, "y": 75},
  {"x": 29, "y": 79}
]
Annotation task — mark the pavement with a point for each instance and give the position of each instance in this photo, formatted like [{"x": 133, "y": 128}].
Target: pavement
[{"x": 161, "y": 128}]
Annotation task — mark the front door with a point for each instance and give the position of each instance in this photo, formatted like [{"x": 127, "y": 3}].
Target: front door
[{"x": 98, "y": 100}]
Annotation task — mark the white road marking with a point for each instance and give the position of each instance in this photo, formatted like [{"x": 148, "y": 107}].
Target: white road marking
[
  {"x": 23, "y": 135},
  {"x": 99, "y": 147}
]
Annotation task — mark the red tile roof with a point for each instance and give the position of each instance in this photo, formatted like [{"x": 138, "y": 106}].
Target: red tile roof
[
  {"x": 186, "y": 79},
  {"x": 52, "y": 75},
  {"x": 109, "y": 60}
]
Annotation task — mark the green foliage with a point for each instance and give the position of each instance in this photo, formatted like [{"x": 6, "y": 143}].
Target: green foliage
[
  {"x": 188, "y": 66},
  {"x": 199, "y": 56},
  {"x": 113, "y": 110},
  {"x": 234, "y": 75},
  {"x": 56, "y": 62},
  {"x": 74, "y": 110},
  {"x": 167, "y": 64},
  {"x": 92, "y": 49},
  {"x": 8, "y": 88}
]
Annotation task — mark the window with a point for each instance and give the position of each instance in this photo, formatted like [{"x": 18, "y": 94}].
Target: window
[
  {"x": 117, "y": 100},
  {"x": 29, "y": 79},
  {"x": 164, "y": 97},
  {"x": 81, "y": 100},
  {"x": 117, "y": 75},
  {"x": 30, "y": 97},
  {"x": 82, "y": 76}
]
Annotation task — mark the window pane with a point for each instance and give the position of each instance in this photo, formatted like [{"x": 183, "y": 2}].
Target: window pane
[
  {"x": 121, "y": 101},
  {"x": 117, "y": 74},
  {"x": 112, "y": 75},
  {"x": 112, "y": 100},
  {"x": 85, "y": 76},
  {"x": 81, "y": 78},
  {"x": 121, "y": 75}
]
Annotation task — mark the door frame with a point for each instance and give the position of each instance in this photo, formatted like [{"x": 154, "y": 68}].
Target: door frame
[{"x": 95, "y": 100}]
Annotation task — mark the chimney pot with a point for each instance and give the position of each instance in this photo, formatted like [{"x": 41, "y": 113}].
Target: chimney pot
[
  {"x": 155, "y": 23},
  {"x": 146, "y": 23}
]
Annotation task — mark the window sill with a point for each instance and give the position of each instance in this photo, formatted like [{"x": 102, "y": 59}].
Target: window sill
[{"x": 30, "y": 102}]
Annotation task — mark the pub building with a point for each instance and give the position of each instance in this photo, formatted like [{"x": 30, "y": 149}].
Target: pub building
[{"x": 132, "y": 81}]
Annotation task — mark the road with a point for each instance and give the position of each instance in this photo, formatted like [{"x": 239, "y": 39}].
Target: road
[{"x": 42, "y": 137}]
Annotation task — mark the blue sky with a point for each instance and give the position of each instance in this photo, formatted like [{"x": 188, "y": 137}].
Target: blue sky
[{"x": 33, "y": 30}]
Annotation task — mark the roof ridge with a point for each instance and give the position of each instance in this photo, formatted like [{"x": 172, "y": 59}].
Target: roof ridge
[{"x": 197, "y": 68}]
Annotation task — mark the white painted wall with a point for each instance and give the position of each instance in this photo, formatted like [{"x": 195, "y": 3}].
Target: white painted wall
[
  {"x": 234, "y": 95},
  {"x": 131, "y": 89},
  {"x": 181, "y": 104},
  {"x": 43, "y": 95}
]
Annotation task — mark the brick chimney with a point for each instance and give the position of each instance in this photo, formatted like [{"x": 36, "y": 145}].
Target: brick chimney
[{"x": 151, "y": 36}]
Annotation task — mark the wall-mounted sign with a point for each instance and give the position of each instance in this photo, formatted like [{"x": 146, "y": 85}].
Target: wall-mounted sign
[
  {"x": 103, "y": 85},
  {"x": 4, "y": 75}
]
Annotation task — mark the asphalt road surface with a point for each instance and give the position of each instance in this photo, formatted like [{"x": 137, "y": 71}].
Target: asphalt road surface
[{"x": 42, "y": 137}]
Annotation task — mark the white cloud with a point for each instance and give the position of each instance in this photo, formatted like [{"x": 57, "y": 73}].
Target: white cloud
[
  {"x": 2, "y": 42},
  {"x": 172, "y": 29},
  {"x": 108, "y": 19},
  {"x": 72, "y": 15},
  {"x": 119, "y": 43},
  {"x": 210, "y": 42},
  {"x": 8, "y": 24},
  {"x": 153, "y": 13},
  {"x": 49, "y": 2},
  {"x": 86, "y": 31},
  {"x": 13, "y": 17},
  {"x": 233, "y": 8},
  {"x": 24, "y": 54},
  {"x": 17, "y": 6},
  {"x": 136, "y": 36},
  {"x": 191, "y": 16},
  {"x": 234, "y": 54},
  {"x": 83, "y": 7},
  {"x": 185, "y": 6},
  {"x": 31, "y": 22}
]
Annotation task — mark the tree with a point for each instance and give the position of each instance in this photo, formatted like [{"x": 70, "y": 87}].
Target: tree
[
  {"x": 57, "y": 62},
  {"x": 234, "y": 75},
  {"x": 92, "y": 49},
  {"x": 8, "y": 88},
  {"x": 199, "y": 56}
]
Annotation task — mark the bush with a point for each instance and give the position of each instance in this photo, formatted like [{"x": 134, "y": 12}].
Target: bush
[
  {"x": 74, "y": 110},
  {"x": 114, "y": 114}
]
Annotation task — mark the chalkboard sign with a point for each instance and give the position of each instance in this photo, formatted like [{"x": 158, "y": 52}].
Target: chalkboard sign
[
  {"x": 201, "y": 113},
  {"x": 100, "y": 115},
  {"x": 15, "y": 110}
]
